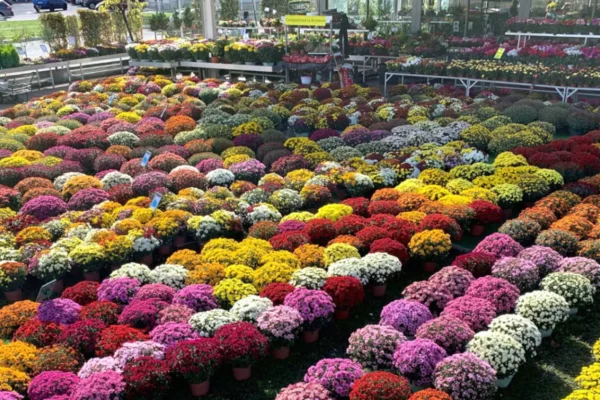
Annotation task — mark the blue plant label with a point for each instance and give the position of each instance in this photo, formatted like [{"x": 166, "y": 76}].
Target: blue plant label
[
  {"x": 44, "y": 48},
  {"x": 163, "y": 112},
  {"x": 111, "y": 99},
  {"x": 20, "y": 51},
  {"x": 156, "y": 201},
  {"x": 71, "y": 40},
  {"x": 146, "y": 158}
]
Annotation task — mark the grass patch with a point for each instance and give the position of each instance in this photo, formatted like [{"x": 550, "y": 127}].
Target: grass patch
[{"x": 19, "y": 30}]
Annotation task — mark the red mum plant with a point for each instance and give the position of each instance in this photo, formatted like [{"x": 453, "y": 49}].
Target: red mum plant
[
  {"x": 350, "y": 224},
  {"x": 445, "y": 223},
  {"x": 430, "y": 394},
  {"x": 390, "y": 246},
  {"x": 276, "y": 292},
  {"x": 195, "y": 359},
  {"x": 320, "y": 230},
  {"x": 487, "y": 213},
  {"x": 37, "y": 333},
  {"x": 242, "y": 343},
  {"x": 146, "y": 378},
  {"x": 345, "y": 291},
  {"x": 289, "y": 241},
  {"x": 360, "y": 205},
  {"x": 114, "y": 336},
  {"x": 57, "y": 358},
  {"x": 105, "y": 311},
  {"x": 401, "y": 229},
  {"x": 82, "y": 293},
  {"x": 381, "y": 386},
  {"x": 82, "y": 336},
  {"x": 390, "y": 207},
  {"x": 479, "y": 263},
  {"x": 371, "y": 233}
]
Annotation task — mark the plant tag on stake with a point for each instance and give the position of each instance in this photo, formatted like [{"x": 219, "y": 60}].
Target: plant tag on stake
[
  {"x": 499, "y": 53},
  {"x": 156, "y": 201},
  {"x": 146, "y": 158},
  {"x": 44, "y": 48},
  {"x": 111, "y": 99},
  {"x": 46, "y": 291},
  {"x": 162, "y": 114},
  {"x": 71, "y": 40}
]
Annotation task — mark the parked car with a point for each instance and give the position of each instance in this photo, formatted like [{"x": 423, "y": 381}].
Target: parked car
[
  {"x": 91, "y": 4},
  {"x": 49, "y": 5},
  {"x": 6, "y": 9}
]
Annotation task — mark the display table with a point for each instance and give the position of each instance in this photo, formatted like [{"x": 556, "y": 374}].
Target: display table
[
  {"x": 202, "y": 67},
  {"x": 526, "y": 35},
  {"x": 565, "y": 92}
]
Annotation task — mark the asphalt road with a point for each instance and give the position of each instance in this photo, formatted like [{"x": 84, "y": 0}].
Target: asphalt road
[{"x": 24, "y": 11}]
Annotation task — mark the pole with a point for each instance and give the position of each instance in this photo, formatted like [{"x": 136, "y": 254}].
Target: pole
[
  {"x": 594, "y": 8},
  {"x": 467, "y": 18},
  {"x": 179, "y": 14}
]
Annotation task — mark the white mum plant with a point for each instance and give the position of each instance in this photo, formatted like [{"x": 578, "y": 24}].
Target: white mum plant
[
  {"x": 172, "y": 275},
  {"x": 577, "y": 290},
  {"x": 133, "y": 270},
  {"x": 501, "y": 351},
  {"x": 519, "y": 328},
  {"x": 220, "y": 177},
  {"x": 545, "y": 309},
  {"x": 381, "y": 267},
  {"x": 310, "y": 278},
  {"x": 250, "y": 307},
  {"x": 207, "y": 322},
  {"x": 354, "y": 267}
]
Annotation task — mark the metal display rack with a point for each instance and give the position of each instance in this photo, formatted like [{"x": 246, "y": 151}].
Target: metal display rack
[
  {"x": 527, "y": 35},
  {"x": 565, "y": 92}
]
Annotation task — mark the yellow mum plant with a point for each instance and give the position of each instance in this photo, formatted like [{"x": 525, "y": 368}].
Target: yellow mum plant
[
  {"x": 430, "y": 245},
  {"x": 228, "y": 291}
]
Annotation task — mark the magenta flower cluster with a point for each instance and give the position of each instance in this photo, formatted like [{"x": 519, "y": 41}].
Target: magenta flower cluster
[
  {"x": 156, "y": 291},
  {"x": 546, "y": 259},
  {"x": 280, "y": 323},
  {"x": 583, "y": 266},
  {"x": 448, "y": 332},
  {"x": 60, "y": 311},
  {"x": 315, "y": 306},
  {"x": 198, "y": 297},
  {"x": 429, "y": 294},
  {"x": 52, "y": 383},
  {"x": 465, "y": 376},
  {"x": 173, "y": 332},
  {"x": 416, "y": 360},
  {"x": 303, "y": 391},
  {"x": 476, "y": 312},
  {"x": 44, "y": 207},
  {"x": 453, "y": 279},
  {"x": 405, "y": 316},
  {"x": 521, "y": 273},
  {"x": 502, "y": 294},
  {"x": 8, "y": 395},
  {"x": 373, "y": 346},
  {"x": 500, "y": 245},
  {"x": 107, "y": 385},
  {"x": 335, "y": 374},
  {"x": 118, "y": 290},
  {"x": 175, "y": 313}
]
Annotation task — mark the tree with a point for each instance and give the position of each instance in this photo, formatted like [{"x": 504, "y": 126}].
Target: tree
[
  {"x": 230, "y": 10},
  {"x": 281, "y": 6},
  {"x": 197, "y": 13},
  {"x": 130, "y": 12},
  {"x": 176, "y": 21},
  {"x": 188, "y": 18},
  {"x": 159, "y": 22}
]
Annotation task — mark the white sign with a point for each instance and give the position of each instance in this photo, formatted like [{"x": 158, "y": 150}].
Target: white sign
[{"x": 455, "y": 26}]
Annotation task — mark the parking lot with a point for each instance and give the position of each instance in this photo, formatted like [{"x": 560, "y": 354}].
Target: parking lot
[{"x": 24, "y": 11}]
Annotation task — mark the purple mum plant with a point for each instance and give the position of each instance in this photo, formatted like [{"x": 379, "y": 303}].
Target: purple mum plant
[
  {"x": 44, "y": 207},
  {"x": 173, "y": 332},
  {"x": 156, "y": 291},
  {"x": 448, "y": 332},
  {"x": 465, "y": 377},
  {"x": 453, "y": 279},
  {"x": 107, "y": 385},
  {"x": 315, "y": 306},
  {"x": 61, "y": 311},
  {"x": 133, "y": 350},
  {"x": 500, "y": 245},
  {"x": 429, "y": 294},
  {"x": 546, "y": 259},
  {"x": 582, "y": 266},
  {"x": 9, "y": 395},
  {"x": 405, "y": 316},
  {"x": 198, "y": 297},
  {"x": 416, "y": 360},
  {"x": 52, "y": 383},
  {"x": 521, "y": 273},
  {"x": 335, "y": 374},
  {"x": 118, "y": 290},
  {"x": 303, "y": 391},
  {"x": 175, "y": 313},
  {"x": 373, "y": 346}
]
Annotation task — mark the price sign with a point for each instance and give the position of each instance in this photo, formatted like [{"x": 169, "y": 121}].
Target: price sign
[
  {"x": 46, "y": 291},
  {"x": 394, "y": 29},
  {"x": 20, "y": 51},
  {"x": 499, "y": 53},
  {"x": 44, "y": 48},
  {"x": 71, "y": 40},
  {"x": 146, "y": 158},
  {"x": 455, "y": 26},
  {"x": 156, "y": 201}
]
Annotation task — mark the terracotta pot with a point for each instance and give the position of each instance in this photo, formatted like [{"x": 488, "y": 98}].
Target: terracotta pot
[
  {"x": 477, "y": 230},
  {"x": 242, "y": 374},
  {"x": 146, "y": 259},
  {"x": 215, "y": 59},
  {"x": 200, "y": 389},
  {"x": 458, "y": 237},
  {"x": 281, "y": 353},
  {"x": 341, "y": 315},
  {"x": 310, "y": 336},
  {"x": 164, "y": 250},
  {"x": 92, "y": 276},
  {"x": 379, "y": 290},
  {"x": 507, "y": 213},
  {"x": 429, "y": 266},
  {"x": 58, "y": 286},
  {"x": 179, "y": 242},
  {"x": 15, "y": 295}
]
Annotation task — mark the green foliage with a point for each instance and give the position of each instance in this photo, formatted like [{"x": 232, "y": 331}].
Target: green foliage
[
  {"x": 92, "y": 26},
  {"x": 159, "y": 22},
  {"x": 197, "y": 14},
  {"x": 54, "y": 30},
  {"x": 281, "y": 6},
  {"x": 9, "y": 57},
  {"x": 126, "y": 16},
  {"x": 230, "y": 10},
  {"x": 521, "y": 114},
  {"x": 73, "y": 29},
  {"x": 176, "y": 21},
  {"x": 188, "y": 18}
]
